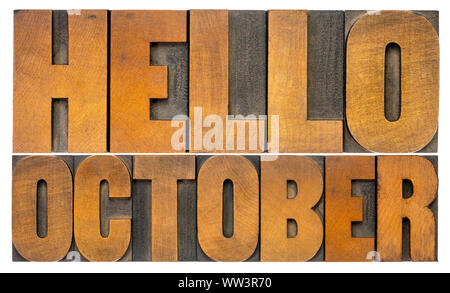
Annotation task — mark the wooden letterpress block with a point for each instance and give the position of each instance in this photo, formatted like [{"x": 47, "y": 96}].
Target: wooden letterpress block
[
  {"x": 60, "y": 101},
  {"x": 227, "y": 209},
  {"x": 163, "y": 223},
  {"x": 134, "y": 83},
  {"x": 227, "y": 216},
  {"x": 392, "y": 101},
  {"x": 102, "y": 211},
  {"x": 343, "y": 176},
  {"x": 227, "y": 77},
  {"x": 288, "y": 82},
  {"x": 41, "y": 208},
  {"x": 291, "y": 209},
  {"x": 407, "y": 208}
]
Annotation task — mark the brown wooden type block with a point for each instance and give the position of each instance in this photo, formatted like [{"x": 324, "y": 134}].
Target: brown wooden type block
[
  {"x": 83, "y": 81},
  {"x": 288, "y": 88},
  {"x": 134, "y": 82},
  {"x": 392, "y": 171},
  {"x": 392, "y": 113},
  {"x": 342, "y": 209},
  {"x": 212, "y": 34},
  {"x": 164, "y": 172},
  {"x": 278, "y": 207},
  {"x": 142, "y": 220},
  {"x": 110, "y": 208},
  {"x": 42, "y": 234},
  {"x": 42, "y": 207},
  {"x": 241, "y": 244},
  {"x": 95, "y": 243},
  {"x": 227, "y": 208}
]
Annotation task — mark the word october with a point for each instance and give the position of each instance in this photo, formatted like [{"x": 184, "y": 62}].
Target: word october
[{"x": 225, "y": 208}]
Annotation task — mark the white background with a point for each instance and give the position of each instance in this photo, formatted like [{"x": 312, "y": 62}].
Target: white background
[{"x": 6, "y": 98}]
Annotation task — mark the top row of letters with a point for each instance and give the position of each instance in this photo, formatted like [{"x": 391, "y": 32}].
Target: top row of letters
[{"x": 280, "y": 81}]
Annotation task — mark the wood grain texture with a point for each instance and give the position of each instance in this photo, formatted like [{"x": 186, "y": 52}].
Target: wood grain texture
[
  {"x": 83, "y": 81},
  {"x": 277, "y": 207},
  {"x": 342, "y": 208},
  {"x": 134, "y": 82},
  {"x": 110, "y": 207},
  {"x": 228, "y": 207},
  {"x": 367, "y": 190},
  {"x": 209, "y": 85},
  {"x": 187, "y": 220},
  {"x": 60, "y": 125},
  {"x": 247, "y": 62},
  {"x": 58, "y": 178},
  {"x": 350, "y": 145},
  {"x": 287, "y": 88},
  {"x": 366, "y": 46},
  {"x": 142, "y": 220},
  {"x": 325, "y": 65},
  {"x": 88, "y": 204},
  {"x": 242, "y": 244},
  {"x": 60, "y": 56},
  {"x": 175, "y": 57},
  {"x": 393, "y": 207},
  {"x": 60, "y": 37},
  {"x": 164, "y": 200},
  {"x": 433, "y": 17}
]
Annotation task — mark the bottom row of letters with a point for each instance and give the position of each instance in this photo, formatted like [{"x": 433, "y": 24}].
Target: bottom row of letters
[{"x": 224, "y": 208}]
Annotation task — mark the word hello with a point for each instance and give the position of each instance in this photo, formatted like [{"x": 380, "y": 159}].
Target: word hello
[
  {"x": 292, "y": 65},
  {"x": 224, "y": 207}
]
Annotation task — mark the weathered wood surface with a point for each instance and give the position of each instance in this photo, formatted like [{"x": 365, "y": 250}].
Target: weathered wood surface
[
  {"x": 175, "y": 57},
  {"x": 164, "y": 199},
  {"x": 325, "y": 95},
  {"x": 367, "y": 190},
  {"x": 142, "y": 220},
  {"x": 29, "y": 209},
  {"x": 134, "y": 82},
  {"x": 228, "y": 193},
  {"x": 60, "y": 56},
  {"x": 209, "y": 81},
  {"x": 350, "y": 218},
  {"x": 247, "y": 62},
  {"x": 226, "y": 48},
  {"x": 187, "y": 220},
  {"x": 37, "y": 81},
  {"x": 210, "y": 182},
  {"x": 97, "y": 238},
  {"x": 287, "y": 88},
  {"x": 392, "y": 208},
  {"x": 369, "y": 118},
  {"x": 343, "y": 208},
  {"x": 42, "y": 206},
  {"x": 277, "y": 207}
]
